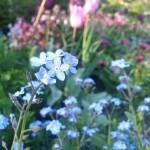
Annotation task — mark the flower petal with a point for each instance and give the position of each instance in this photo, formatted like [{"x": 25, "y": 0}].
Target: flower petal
[
  {"x": 60, "y": 75},
  {"x": 73, "y": 70},
  {"x": 64, "y": 67},
  {"x": 35, "y": 61}
]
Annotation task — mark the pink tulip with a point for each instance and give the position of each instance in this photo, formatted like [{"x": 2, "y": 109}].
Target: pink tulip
[
  {"x": 90, "y": 6},
  {"x": 76, "y": 16}
]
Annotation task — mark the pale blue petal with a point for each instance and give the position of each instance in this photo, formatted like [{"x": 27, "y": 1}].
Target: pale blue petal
[
  {"x": 49, "y": 65},
  {"x": 51, "y": 73},
  {"x": 64, "y": 67},
  {"x": 35, "y": 61},
  {"x": 52, "y": 81},
  {"x": 60, "y": 75},
  {"x": 73, "y": 70},
  {"x": 43, "y": 55},
  {"x": 57, "y": 62},
  {"x": 50, "y": 55},
  {"x": 59, "y": 52},
  {"x": 39, "y": 75}
]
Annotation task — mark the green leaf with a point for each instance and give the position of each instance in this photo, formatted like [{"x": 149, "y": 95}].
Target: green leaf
[
  {"x": 56, "y": 94},
  {"x": 98, "y": 140},
  {"x": 102, "y": 120},
  {"x": 92, "y": 98},
  {"x": 129, "y": 116},
  {"x": 71, "y": 88}
]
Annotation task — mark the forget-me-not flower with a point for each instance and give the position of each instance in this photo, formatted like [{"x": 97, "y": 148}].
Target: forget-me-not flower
[
  {"x": 71, "y": 100},
  {"x": 44, "y": 77},
  {"x": 124, "y": 125},
  {"x": 35, "y": 61},
  {"x": 46, "y": 110},
  {"x": 89, "y": 131},
  {"x": 119, "y": 145},
  {"x": 57, "y": 69},
  {"x": 116, "y": 101},
  {"x": 52, "y": 56},
  {"x": 72, "y": 62},
  {"x": 72, "y": 134},
  {"x": 121, "y": 63},
  {"x": 4, "y": 122},
  {"x": 55, "y": 126}
]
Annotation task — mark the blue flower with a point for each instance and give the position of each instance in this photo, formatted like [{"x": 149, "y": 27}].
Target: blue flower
[
  {"x": 143, "y": 108},
  {"x": 62, "y": 112},
  {"x": 136, "y": 88},
  {"x": 55, "y": 126},
  {"x": 116, "y": 101},
  {"x": 89, "y": 131},
  {"x": 124, "y": 125},
  {"x": 45, "y": 123},
  {"x": 46, "y": 110},
  {"x": 117, "y": 135},
  {"x": 35, "y": 61},
  {"x": 27, "y": 97},
  {"x": 43, "y": 76},
  {"x": 122, "y": 86},
  {"x": 119, "y": 145},
  {"x": 124, "y": 79},
  {"x": 18, "y": 93},
  {"x": 57, "y": 69},
  {"x": 4, "y": 122},
  {"x": 52, "y": 56},
  {"x": 96, "y": 107},
  {"x": 16, "y": 146},
  {"x": 36, "y": 123},
  {"x": 79, "y": 81},
  {"x": 147, "y": 100},
  {"x": 72, "y": 134},
  {"x": 72, "y": 62},
  {"x": 71, "y": 100},
  {"x": 35, "y": 126},
  {"x": 120, "y": 64},
  {"x": 89, "y": 82}
]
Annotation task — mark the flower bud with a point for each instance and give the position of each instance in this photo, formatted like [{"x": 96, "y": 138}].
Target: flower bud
[
  {"x": 28, "y": 76},
  {"x": 36, "y": 129},
  {"x": 76, "y": 16},
  {"x": 90, "y": 6}
]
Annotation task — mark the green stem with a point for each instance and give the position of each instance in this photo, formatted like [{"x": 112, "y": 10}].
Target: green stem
[
  {"x": 60, "y": 142},
  {"x": 16, "y": 130},
  {"x": 26, "y": 112},
  {"x": 74, "y": 37},
  {"x": 85, "y": 32},
  {"x": 135, "y": 126}
]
